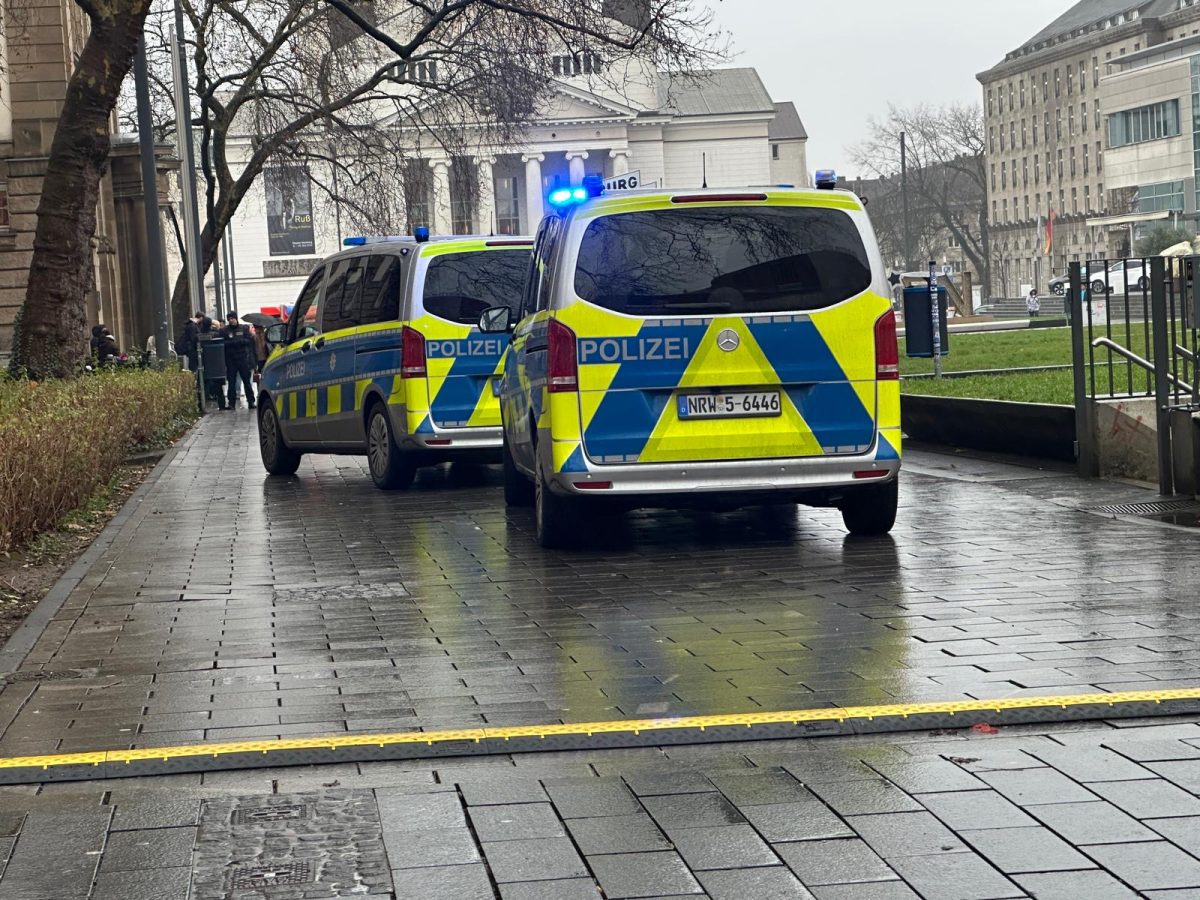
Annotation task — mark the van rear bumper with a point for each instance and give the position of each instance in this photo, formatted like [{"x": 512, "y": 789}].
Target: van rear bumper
[
  {"x": 450, "y": 439},
  {"x": 790, "y": 476}
]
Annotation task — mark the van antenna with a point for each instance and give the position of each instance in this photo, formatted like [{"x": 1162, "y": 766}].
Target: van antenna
[{"x": 704, "y": 170}]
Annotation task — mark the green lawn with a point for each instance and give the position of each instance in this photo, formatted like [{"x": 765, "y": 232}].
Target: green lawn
[{"x": 1019, "y": 349}]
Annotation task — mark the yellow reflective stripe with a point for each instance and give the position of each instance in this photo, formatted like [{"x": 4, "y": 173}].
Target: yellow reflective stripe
[{"x": 441, "y": 248}]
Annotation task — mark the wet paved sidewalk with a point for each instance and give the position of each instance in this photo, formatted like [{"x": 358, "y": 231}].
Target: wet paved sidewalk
[
  {"x": 233, "y": 607},
  {"x": 1085, "y": 812}
]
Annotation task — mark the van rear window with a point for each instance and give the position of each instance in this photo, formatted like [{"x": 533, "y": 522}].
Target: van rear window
[
  {"x": 722, "y": 260},
  {"x": 460, "y": 286}
]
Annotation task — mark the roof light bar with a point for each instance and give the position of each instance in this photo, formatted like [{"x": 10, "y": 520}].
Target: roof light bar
[{"x": 826, "y": 179}]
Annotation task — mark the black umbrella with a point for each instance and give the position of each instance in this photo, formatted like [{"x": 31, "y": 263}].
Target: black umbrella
[{"x": 261, "y": 320}]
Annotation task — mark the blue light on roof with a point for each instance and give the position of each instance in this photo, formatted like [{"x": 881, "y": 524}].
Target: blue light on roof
[
  {"x": 421, "y": 233},
  {"x": 826, "y": 178},
  {"x": 354, "y": 242},
  {"x": 561, "y": 197}
]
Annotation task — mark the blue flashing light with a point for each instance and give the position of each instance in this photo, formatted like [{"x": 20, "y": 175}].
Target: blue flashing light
[
  {"x": 593, "y": 185},
  {"x": 421, "y": 233},
  {"x": 826, "y": 179},
  {"x": 354, "y": 242},
  {"x": 560, "y": 197}
]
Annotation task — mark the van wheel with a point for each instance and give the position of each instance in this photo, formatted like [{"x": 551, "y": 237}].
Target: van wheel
[
  {"x": 278, "y": 458},
  {"x": 518, "y": 490},
  {"x": 390, "y": 469},
  {"x": 556, "y": 517},
  {"x": 870, "y": 512}
]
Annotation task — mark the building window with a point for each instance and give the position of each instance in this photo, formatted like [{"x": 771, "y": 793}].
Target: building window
[
  {"x": 1004, "y": 210},
  {"x": 1058, "y": 124},
  {"x": 1035, "y": 131},
  {"x": 991, "y": 140},
  {"x": 1074, "y": 201},
  {"x": 424, "y": 72},
  {"x": 1082, "y": 77},
  {"x": 1057, "y": 83},
  {"x": 4, "y": 219},
  {"x": 1083, "y": 117},
  {"x": 1023, "y": 134},
  {"x": 1045, "y": 86},
  {"x": 508, "y": 209},
  {"x": 1060, "y": 165},
  {"x": 1073, "y": 162},
  {"x": 991, "y": 108},
  {"x": 1085, "y": 159},
  {"x": 1025, "y": 171},
  {"x": 993, "y": 176},
  {"x": 1022, "y": 93},
  {"x": 1003, "y": 177},
  {"x": 1070, "y": 81},
  {"x": 1037, "y": 169},
  {"x": 1087, "y": 198},
  {"x": 1026, "y": 207},
  {"x": 774, "y": 151},
  {"x": 464, "y": 188},
  {"x": 1161, "y": 197},
  {"x": 1146, "y": 123},
  {"x": 577, "y": 64},
  {"x": 1012, "y": 135},
  {"x": 1097, "y": 105},
  {"x": 1011, "y": 94},
  {"x": 1099, "y": 159},
  {"x": 1071, "y": 121},
  {"x": 995, "y": 217},
  {"x": 1095, "y": 71},
  {"x": 418, "y": 192}
]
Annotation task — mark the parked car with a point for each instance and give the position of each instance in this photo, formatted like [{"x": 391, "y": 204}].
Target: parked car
[
  {"x": 1123, "y": 275},
  {"x": 1060, "y": 284}
]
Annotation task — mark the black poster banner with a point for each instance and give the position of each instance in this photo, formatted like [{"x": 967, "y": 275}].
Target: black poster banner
[{"x": 289, "y": 211}]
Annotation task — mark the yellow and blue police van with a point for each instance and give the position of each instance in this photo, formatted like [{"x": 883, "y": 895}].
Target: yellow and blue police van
[
  {"x": 709, "y": 348},
  {"x": 381, "y": 356}
]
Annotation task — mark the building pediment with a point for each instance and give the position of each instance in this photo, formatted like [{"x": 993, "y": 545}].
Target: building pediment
[{"x": 567, "y": 103}]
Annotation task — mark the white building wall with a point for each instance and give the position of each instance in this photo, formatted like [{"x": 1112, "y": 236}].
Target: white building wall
[{"x": 792, "y": 165}]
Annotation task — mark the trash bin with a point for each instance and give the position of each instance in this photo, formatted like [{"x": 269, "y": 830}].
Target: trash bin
[
  {"x": 918, "y": 329},
  {"x": 212, "y": 351}
]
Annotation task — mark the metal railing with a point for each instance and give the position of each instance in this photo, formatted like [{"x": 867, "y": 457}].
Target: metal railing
[{"x": 1134, "y": 333}]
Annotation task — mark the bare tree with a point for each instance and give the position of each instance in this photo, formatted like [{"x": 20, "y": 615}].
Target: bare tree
[
  {"x": 351, "y": 91},
  {"x": 947, "y": 172},
  {"x": 50, "y": 338}
]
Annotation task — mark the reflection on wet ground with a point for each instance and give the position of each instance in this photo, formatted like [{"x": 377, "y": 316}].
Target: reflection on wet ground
[{"x": 232, "y": 606}]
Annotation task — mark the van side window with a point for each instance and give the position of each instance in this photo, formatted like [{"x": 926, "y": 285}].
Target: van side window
[
  {"x": 303, "y": 321},
  {"x": 549, "y": 247},
  {"x": 529, "y": 294},
  {"x": 340, "y": 309},
  {"x": 380, "y": 299}
]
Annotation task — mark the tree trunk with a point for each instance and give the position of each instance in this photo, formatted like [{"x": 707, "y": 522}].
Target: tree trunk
[{"x": 51, "y": 337}]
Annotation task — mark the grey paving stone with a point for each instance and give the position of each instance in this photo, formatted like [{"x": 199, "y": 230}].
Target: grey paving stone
[
  {"x": 655, "y": 782},
  {"x": 1149, "y": 799},
  {"x": 906, "y": 834},
  {"x": 1090, "y": 764},
  {"x": 162, "y": 812},
  {"x": 692, "y": 811},
  {"x": 875, "y": 890},
  {"x": 723, "y": 847},
  {"x": 923, "y": 776},
  {"x": 497, "y": 790},
  {"x": 954, "y": 876},
  {"x": 834, "y": 862},
  {"x": 1149, "y": 866},
  {"x": 754, "y": 789},
  {"x": 643, "y": 875},
  {"x": 516, "y": 822},
  {"x": 1028, "y": 787},
  {"x": 775, "y": 883},
  {"x": 1184, "y": 773},
  {"x": 155, "y": 848},
  {"x": 1092, "y": 823},
  {"x": 617, "y": 834},
  {"x": 976, "y": 809},
  {"x": 570, "y": 889},
  {"x": 403, "y": 811},
  {"x": 853, "y": 798},
  {"x": 429, "y": 848},
  {"x": 1183, "y": 832},
  {"x": 56, "y": 855},
  {"x": 579, "y": 798},
  {"x": 151, "y": 884},
  {"x": 1092, "y": 885},
  {"x": 796, "y": 822},
  {"x": 1025, "y": 850},
  {"x": 466, "y": 882},
  {"x": 539, "y": 859}
]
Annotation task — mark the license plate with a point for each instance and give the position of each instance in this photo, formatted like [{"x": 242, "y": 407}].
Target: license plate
[{"x": 742, "y": 405}]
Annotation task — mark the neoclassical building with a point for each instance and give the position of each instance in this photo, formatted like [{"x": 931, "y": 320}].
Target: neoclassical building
[{"x": 720, "y": 128}]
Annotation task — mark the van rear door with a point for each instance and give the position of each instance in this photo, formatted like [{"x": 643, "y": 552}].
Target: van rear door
[{"x": 712, "y": 329}]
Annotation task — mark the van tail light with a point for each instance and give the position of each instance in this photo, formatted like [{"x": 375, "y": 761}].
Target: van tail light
[
  {"x": 887, "y": 352},
  {"x": 412, "y": 353},
  {"x": 562, "y": 364}
]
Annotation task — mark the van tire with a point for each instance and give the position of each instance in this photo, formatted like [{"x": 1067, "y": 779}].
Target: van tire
[
  {"x": 518, "y": 490},
  {"x": 556, "y": 517},
  {"x": 390, "y": 468},
  {"x": 277, "y": 457},
  {"x": 871, "y": 512}
]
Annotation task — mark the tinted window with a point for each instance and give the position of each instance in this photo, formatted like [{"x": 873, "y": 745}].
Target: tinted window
[
  {"x": 303, "y": 319},
  {"x": 460, "y": 286},
  {"x": 722, "y": 260},
  {"x": 380, "y": 300},
  {"x": 340, "y": 309}
]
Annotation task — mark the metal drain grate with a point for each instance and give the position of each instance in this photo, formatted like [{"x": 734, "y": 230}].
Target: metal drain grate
[
  {"x": 16, "y": 677},
  {"x": 1153, "y": 508},
  {"x": 253, "y": 815},
  {"x": 260, "y": 876}
]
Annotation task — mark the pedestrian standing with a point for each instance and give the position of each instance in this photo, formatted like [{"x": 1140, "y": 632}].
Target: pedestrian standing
[
  {"x": 1033, "y": 304},
  {"x": 239, "y": 358},
  {"x": 189, "y": 341}
]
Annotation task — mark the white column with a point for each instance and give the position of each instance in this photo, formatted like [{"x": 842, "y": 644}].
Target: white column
[
  {"x": 534, "y": 210},
  {"x": 486, "y": 213},
  {"x": 575, "y": 160},
  {"x": 442, "y": 223},
  {"x": 620, "y": 160}
]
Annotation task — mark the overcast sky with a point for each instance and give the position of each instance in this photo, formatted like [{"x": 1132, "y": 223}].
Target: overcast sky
[{"x": 842, "y": 62}]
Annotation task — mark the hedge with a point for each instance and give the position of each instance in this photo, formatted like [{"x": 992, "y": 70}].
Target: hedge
[{"x": 61, "y": 440}]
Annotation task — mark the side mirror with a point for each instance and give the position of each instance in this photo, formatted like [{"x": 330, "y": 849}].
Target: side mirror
[
  {"x": 276, "y": 334},
  {"x": 495, "y": 320}
]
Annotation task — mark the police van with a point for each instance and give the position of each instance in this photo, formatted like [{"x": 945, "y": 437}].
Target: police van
[
  {"x": 381, "y": 356},
  {"x": 712, "y": 347}
]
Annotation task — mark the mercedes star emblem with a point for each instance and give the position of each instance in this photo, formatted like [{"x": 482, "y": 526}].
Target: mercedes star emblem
[{"x": 728, "y": 340}]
